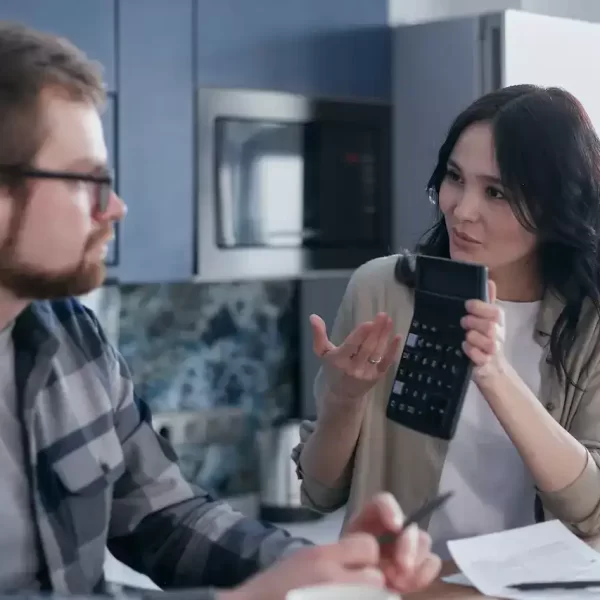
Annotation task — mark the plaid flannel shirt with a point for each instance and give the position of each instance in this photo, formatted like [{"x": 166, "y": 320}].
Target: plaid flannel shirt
[{"x": 100, "y": 476}]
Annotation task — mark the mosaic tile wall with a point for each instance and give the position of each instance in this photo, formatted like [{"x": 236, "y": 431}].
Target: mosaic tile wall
[{"x": 199, "y": 346}]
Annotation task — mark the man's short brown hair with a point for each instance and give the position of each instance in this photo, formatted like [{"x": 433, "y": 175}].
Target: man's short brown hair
[{"x": 31, "y": 62}]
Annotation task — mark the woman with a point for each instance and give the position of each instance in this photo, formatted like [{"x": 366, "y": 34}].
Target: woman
[{"x": 517, "y": 184}]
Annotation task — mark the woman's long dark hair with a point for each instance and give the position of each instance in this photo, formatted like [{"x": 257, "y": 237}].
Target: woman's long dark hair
[{"x": 548, "y": 155}]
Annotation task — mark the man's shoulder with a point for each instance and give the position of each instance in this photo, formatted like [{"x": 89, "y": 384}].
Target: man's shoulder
[{"x": 71, "y": 322}]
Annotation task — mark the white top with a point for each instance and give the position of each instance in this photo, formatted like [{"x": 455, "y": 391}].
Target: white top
[
  {"x": 493, "y": 489},
  {"x": 20, "y": 561}
]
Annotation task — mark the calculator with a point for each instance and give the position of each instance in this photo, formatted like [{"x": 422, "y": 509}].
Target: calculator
[{"x": 432, "y": 378}]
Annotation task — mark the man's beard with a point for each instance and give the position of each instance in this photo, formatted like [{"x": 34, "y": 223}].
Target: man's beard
[{"x": 27, "y": 282}]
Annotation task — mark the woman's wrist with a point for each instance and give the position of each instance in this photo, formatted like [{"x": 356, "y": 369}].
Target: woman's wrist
[
  {"x": 341, "y": 406},
  {"x": 497, "y": 377}
]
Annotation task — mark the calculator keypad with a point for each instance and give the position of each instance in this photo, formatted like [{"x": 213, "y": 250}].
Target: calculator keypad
[{"x": 431, "y": 373}]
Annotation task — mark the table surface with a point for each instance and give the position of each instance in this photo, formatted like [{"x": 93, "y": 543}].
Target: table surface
[{"x": 440, "y": 590}]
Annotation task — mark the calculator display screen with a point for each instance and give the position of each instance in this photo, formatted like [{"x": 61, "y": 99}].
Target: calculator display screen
[{"x": 449, "y": 278}]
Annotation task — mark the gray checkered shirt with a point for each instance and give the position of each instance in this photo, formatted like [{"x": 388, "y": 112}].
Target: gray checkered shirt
[{"x": 100, "y": 476}]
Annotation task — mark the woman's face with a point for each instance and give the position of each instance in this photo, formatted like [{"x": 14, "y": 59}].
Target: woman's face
[{"x": 481, "y": 225}]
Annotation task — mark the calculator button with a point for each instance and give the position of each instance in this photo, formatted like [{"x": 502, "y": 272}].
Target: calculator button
[
  {"x": 411, "y": 340},
  {"x": 398, "y": 387}
]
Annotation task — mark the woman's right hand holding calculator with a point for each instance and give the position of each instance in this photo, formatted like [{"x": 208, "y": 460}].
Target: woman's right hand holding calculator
[{"x": 356, "y": 365}]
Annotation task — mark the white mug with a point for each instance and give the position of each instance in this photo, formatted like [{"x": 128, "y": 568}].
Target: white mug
[{"x": 341, "y": 591}]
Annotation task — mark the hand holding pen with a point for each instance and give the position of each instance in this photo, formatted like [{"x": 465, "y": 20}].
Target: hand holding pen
[{"x": 405, "y": 551}]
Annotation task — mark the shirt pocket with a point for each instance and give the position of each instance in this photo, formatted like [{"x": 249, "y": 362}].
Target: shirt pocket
[{"x": 95, "y": 465}]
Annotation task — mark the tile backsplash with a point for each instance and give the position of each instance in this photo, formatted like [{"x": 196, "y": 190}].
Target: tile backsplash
[{"x": 202, "y": 346}]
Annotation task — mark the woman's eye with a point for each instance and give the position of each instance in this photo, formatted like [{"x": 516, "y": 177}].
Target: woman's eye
[
  {"x": 495, "y": 193},
  {"x": 452, "y": 175}
]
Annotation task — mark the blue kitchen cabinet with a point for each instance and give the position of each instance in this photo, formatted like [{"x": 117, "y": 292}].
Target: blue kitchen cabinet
[
  {"x": 109, "y": 125},
  {"x": 321, "y": 47},
  {"x": 89, "y": 24},
  {"x": 155, "y": 140}
]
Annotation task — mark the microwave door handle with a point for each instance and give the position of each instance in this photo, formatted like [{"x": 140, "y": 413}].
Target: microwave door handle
[{"x": 225, "y": 201}]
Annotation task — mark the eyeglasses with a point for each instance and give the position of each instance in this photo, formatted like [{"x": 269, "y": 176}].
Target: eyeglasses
[{"x": 103, "y": 183}]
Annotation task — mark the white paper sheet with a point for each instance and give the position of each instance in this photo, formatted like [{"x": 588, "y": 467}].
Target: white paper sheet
[
  {"x": 543, "y": 552},
  {"x": 458, "y": 579}
]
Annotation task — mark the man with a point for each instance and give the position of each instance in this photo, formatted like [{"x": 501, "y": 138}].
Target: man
[{"x": 82, "y": 467}]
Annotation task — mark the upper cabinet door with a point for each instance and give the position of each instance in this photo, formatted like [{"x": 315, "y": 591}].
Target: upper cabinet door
[
  {"x": 89, "y": 24},
  {"x": 109, "y": 124},
  {"x": 321, "y": 47},
  {"x": 155, "y": 140}
]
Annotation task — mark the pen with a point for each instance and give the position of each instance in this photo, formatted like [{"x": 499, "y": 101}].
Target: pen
[
  {"x": 536, "y": 586},
  {"x": 425, "y": 510}
]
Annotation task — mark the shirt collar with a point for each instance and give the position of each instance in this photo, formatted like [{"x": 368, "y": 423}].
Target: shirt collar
[{"x": 34, "y": 329}]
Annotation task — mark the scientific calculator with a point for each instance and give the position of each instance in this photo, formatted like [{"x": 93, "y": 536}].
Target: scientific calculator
[{"x": 432, "y": 377}]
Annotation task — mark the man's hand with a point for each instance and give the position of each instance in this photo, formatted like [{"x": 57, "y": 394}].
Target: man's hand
[
  {"x": 405, "y": 566},
  {"x": 408, "y": 564},
  {"x": 354, "y": 559}
]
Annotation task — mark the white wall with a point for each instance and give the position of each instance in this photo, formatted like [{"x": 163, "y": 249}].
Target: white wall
[{"x": 411, "y": 11}]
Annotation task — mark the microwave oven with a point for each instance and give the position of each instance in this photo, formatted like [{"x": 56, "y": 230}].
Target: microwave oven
[{"x": 290, "y": 186}]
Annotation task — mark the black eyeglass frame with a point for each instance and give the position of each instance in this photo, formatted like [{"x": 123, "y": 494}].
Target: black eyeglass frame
[{"x": 105, "y": 182}]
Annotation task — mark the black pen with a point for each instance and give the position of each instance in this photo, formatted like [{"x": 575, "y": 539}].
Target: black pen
[
  {"x": 425, "y": 510},
  {"x": 538, "y": 586}
]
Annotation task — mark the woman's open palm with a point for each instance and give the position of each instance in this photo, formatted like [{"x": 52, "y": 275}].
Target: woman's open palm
[{"x": 361, "y": 359}]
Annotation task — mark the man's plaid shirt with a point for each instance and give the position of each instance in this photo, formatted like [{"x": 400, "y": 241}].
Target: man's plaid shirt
[{"x": 100, "y": 476}]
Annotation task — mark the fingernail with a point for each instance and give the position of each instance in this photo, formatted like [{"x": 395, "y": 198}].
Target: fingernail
[
  {"x": 397, "y": 516},
  {"x": 412, "y": 534}
]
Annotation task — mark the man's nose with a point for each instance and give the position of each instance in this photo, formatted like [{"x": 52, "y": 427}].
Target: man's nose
[{"x": 115, "y": 211}]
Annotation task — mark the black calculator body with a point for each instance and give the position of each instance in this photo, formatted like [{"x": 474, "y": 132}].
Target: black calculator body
[{"x": 432, "y": 377}]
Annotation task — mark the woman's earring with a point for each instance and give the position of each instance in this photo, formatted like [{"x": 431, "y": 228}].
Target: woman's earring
[{"x": 432, "y": 194}]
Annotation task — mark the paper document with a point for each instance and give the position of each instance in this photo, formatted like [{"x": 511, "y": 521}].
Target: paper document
[
  {"x": 543, "y": 552},
  {"x": 457, "y": 579}
]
